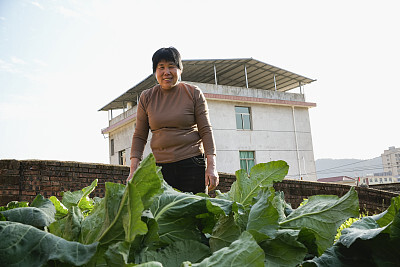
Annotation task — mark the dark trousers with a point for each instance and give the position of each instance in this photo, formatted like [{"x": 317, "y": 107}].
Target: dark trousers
[{"x": 186, "y": 175}]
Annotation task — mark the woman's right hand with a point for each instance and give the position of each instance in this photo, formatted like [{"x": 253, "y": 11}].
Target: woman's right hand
[{"x": 134, "y": 165}]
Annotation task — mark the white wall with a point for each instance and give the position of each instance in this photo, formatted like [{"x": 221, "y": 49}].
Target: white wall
[
  {"x": 272, "y": 136},
  {"x": 122, "y": 141}
]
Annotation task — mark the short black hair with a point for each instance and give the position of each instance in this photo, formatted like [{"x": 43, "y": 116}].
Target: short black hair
[{"x": 167, "y": 54}]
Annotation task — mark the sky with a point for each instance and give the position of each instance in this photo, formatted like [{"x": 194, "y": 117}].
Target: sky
[{"x": 63, "y": 60}]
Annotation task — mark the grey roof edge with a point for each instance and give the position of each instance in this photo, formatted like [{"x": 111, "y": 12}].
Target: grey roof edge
[
  {"x": 109, "y": 105},
  {"x": 312, "y": 80},
  {"x": 248, "y": 59},
  {"x": 104, "y": 108}
]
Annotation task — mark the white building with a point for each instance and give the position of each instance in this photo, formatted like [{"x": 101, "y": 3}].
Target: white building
[
  {"x": 254, "y": 118},
  {"x": 391, "y": 161},
  {"x": 378, "y": 179}
]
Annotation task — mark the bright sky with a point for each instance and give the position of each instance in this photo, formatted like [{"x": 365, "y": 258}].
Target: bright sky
[{"x": 62, "y": 60}]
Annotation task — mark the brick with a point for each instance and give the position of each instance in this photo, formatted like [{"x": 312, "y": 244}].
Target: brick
[
  {"x": 9, "y": 164},
  {"x": 9, "y": 180},
  {"x": 53, "y": 177}
]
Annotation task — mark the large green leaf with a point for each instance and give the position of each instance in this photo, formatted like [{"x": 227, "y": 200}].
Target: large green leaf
[
  {"x": 144, "y": 186},
  {"x": 339, "y": 255},
  {"x": 61, "y": 210},
  {"x": 263, "y": 221},
  {"x": 117, "y": 254},
  {"x": 118, "y": 216},
  {"x": 103, "y": 216},
  {"x": 322, "y": 215},
  {"x": 366, "y": 243},
  {"x": 24, "y": 245},
  {"x": 79, "y": 198},
  {"x": 245, "y": 188},
  {"x": 68, "y": 227},
  {"x": 14, "y": 205},
  {"x": 388, "y": 215},
  {"x": 380, "y": 250},
  {"x": 132, "y": 219},
  {"x": 40, "y": 214},
  {"x": 395, "y": 228},
  {"x": 176, "y": 212},
  {"x": 364, "y": 229},
  {"x": 284, "y": 249},
  {"x": 151, "y": 238},
  {"x": 178, "y": 252},
  {"x": 243, "y": 252},
  {"x": 148, "y": 180},
  {"x": 224, "y": 233}
]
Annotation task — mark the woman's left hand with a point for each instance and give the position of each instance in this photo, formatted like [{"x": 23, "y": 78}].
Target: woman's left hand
[{"x": 212, "y": 178}]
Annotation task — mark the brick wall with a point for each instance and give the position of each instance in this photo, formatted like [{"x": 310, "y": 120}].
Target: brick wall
[
  {"x": 392, "y": 187},
  {"x": 371, "y": 201},
  {"x": 23, "y": 180}
]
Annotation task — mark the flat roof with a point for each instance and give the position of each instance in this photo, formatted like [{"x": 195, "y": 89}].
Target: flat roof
[{"x": 241, "y": 72}]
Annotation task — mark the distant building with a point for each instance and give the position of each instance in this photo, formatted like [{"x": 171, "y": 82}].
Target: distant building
[
  {"x": 379, "y": 179},
  {"x": 254, "y": 117},
  {"x": 339, "y": 180},
  {"x": 391, "y": 161},
  {"x": 391, "y": 169}
]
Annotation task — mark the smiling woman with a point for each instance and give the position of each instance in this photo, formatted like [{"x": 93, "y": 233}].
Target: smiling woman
[{"x": 177, "y": 115}]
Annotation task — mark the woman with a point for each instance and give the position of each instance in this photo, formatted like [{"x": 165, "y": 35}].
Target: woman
[{"x": 177, "y": 115}]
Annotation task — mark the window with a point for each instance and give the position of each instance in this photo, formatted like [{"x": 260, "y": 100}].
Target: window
[
  {"x": 112, "y": 147},
  {"x": 121, "y": 157},
  {"x": 243, "y": 121},
  {"x": 246, "y": 160}
]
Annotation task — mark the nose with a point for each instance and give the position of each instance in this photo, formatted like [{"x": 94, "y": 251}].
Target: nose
[{"x": 167, "y": 71}]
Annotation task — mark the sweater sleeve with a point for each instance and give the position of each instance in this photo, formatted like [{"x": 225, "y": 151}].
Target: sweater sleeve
[
  {"x": 141, "y": 133},
  {"x": 203, "y": 122}
]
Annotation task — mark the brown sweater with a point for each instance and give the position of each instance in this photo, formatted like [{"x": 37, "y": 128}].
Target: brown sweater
[{"x": 179, "y": 121}]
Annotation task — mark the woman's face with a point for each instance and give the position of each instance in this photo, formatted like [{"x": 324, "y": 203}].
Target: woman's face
[{"x": 167, "y": 74}]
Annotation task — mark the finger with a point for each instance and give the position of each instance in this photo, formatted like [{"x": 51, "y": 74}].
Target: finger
[
  {"x": 212, "y": 184},
  {"x": 207, "y": 181}
]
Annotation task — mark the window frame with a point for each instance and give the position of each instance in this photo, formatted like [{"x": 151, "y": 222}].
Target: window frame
[
  {"x": 247, "y": 160},
  {"x": 122, "y": 157},
  {"x": 242, "y": 119}
]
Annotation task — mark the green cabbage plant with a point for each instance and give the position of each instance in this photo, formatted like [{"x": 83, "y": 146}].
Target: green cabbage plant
[{"x": 149, "y": 223}]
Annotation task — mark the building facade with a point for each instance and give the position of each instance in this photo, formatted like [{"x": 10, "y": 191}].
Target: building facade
[
  {"x": 391, "y": 161},
  {"x": 379, "y": 179},
  {"x": 254, "y": 117}
]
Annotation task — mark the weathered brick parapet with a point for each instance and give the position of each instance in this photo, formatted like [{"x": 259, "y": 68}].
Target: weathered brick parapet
[
  {"x": 392, "y": 187},
  {"x": 22, "y": 180},
  {"x": 371, "y": 200}
]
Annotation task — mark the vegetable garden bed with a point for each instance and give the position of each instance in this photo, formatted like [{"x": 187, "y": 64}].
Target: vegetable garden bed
[{"x": 148, "y": 223}]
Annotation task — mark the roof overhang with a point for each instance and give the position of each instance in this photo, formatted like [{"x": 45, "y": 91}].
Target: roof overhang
[{"x": 244, "y": 72}]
